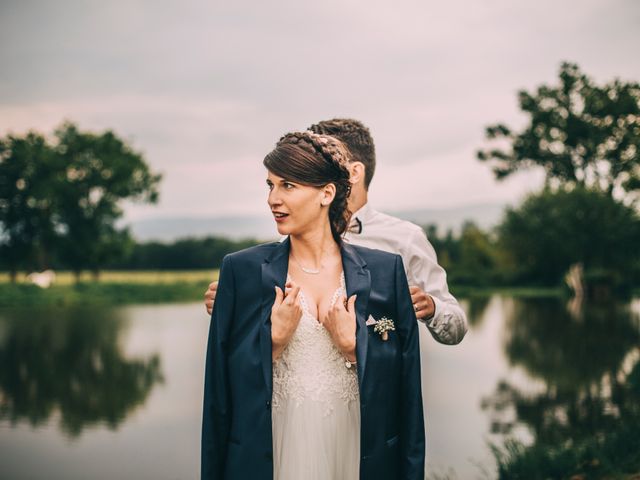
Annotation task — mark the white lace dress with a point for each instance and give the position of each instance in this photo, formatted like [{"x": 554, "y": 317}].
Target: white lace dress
[{"x": 315, "y": 406}]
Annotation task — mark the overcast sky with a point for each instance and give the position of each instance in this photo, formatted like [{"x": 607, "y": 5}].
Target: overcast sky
[{"x": 205, "y": 89}]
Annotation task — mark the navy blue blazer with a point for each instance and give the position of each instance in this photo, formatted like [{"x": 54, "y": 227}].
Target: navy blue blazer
[{"x": 236, "y": 430}]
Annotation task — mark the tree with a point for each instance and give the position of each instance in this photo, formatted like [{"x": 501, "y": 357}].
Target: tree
[
  {"x": 101, "y": 170},
  {"x": 580, "y": 133},
  {"x": 469, "y": 259},
  {"x": 477, "y": 257},
  {"x": 554, "y": 229},
  {"x": 28, "y": 181}
]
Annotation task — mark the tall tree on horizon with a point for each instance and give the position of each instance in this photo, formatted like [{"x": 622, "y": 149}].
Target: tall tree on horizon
[
  {"x": 101, "y": 170},
  {"x": 62, "y": 197},
  {"x": 579, "y": 132}
]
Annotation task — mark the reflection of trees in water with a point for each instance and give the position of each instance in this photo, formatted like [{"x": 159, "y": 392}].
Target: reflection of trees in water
[
  {"x": 69, "y": 362},
  {"x": 475, "y": 307},
  {"x": 586, "y": 419}
]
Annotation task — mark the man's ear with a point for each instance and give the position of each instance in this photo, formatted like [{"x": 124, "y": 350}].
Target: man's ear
[
  {"x": 328, "y": 194},
  {"x": 356, "y": 172}
]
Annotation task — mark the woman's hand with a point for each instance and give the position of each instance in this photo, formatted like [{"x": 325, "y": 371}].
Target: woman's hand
[
  {"x": 340, "y": 322},
  {"x": 285, "y": 316}
]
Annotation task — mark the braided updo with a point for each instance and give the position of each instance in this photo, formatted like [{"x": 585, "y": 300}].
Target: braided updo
[
  {"x": 356, "y": 137},
  {"x": 315, "y": 160}
]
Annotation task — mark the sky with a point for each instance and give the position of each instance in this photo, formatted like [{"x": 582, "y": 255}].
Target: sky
[{"x": 205, "y": 89}]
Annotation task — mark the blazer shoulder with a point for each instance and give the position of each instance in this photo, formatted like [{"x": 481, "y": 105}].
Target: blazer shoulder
[
  {"x": 377, "y": 258},
  {"x": 256, "y": 253}
]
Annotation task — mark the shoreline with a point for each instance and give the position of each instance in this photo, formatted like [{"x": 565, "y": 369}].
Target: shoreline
[{"x": 131, "y": 287}]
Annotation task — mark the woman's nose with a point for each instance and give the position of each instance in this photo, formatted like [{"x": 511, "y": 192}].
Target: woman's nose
[{"x": 273, "y": 198}]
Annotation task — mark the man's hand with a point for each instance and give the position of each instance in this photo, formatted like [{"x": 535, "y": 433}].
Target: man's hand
[
  {"x": 285, "y": 316},
  {"x": 210, "y": 296},
  {"x": 340, "y": 322},
  {"x": 423, "y": 304}
]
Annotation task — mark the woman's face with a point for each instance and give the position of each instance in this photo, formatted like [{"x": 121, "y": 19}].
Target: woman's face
[{"x": 297, "y": 208}]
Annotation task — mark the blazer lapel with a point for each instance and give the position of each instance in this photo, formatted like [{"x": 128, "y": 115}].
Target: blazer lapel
[
  {"x": 358, "y": 282},
  {"x": 274, "y": 272}
]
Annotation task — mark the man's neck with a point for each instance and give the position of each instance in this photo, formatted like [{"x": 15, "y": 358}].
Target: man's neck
[{"x": 357, "y": 200}]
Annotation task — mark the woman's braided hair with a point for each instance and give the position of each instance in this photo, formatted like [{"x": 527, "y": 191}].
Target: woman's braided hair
[
  {"x": 315, "y": 160},
  {"x": 356, "y": 137}
]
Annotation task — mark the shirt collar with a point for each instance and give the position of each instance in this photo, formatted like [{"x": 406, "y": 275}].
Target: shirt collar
[{"x": 364, "y": 213}]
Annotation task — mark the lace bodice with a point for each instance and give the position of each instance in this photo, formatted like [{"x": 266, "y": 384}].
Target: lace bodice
[{"x": 311, "y": 367}]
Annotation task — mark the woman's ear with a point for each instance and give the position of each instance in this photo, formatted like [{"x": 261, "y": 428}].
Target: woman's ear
[
  {"x": 356, "y": 172},
  {"x": 328, "y": 194}
]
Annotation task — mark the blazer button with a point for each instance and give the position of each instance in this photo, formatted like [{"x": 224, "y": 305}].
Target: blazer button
[
  {"x": 268, "y": 456},
  {"x": 268, "y": 404}
]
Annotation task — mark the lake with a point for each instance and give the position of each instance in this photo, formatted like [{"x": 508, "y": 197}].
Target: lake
[{"x": 117, "y": 393}]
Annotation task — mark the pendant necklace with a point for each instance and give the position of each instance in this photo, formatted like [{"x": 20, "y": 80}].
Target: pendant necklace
[{"x": 310, "y": 271}]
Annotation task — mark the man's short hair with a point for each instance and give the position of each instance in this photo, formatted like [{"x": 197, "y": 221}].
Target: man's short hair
[{"x": 356, "y": 137}]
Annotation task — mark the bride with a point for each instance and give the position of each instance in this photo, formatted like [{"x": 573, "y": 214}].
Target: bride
[{"x": 295, "y": 323}]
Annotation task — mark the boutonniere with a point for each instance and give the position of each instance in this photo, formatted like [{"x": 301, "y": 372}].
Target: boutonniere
[{"x": 383, "y": 326}]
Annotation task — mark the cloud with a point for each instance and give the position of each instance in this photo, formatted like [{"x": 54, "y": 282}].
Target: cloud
[{"x": 205, "y": 89}]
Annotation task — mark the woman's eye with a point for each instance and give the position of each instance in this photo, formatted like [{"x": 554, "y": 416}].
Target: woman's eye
[{"x": 288, "y": 185}]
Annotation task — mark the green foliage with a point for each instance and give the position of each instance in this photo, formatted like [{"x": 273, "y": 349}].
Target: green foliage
[
  {"x": 28, "y": 186},
  {"x": 101, "y": 170},
  {"x": 580, "y": 133},
  {"x": 552, "y": 230},
  {"x": 469, "y": 259},
  {"x": 61, "y": 200}
]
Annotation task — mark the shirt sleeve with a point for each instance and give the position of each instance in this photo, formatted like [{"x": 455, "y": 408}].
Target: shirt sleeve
[{"x": 449, "y": 323}]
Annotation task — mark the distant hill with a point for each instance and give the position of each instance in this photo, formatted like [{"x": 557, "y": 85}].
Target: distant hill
[
  {"x": 484, "y": 215},
  {"x": 263, "y": 227}
]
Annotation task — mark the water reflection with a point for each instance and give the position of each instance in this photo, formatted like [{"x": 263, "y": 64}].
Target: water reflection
[
  {"x": 584, "y": 419},
  {"x": 69, "y": 363},
  {"x": 475, "y": 308}
]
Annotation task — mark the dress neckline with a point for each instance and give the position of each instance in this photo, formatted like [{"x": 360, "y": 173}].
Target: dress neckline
[{"x": 334, "y": 297}]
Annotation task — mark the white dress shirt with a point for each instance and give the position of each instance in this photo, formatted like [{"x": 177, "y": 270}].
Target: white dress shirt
[{"x": 391, "y": 234}]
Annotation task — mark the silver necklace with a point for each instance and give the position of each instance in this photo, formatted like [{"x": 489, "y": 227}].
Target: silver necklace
[{"x": 310, "y": 271}]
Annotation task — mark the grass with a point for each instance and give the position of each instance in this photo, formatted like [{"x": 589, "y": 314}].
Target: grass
[
  {"x": 162, "y": 286},
  {"x": 112, "y": 288},
  {"x": 147, "y": 277}
]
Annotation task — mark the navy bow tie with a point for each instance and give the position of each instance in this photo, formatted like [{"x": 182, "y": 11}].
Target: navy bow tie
[{"x": 355, "y": 226}]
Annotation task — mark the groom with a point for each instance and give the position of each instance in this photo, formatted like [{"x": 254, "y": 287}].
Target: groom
[{"x": 432, "y": 302}]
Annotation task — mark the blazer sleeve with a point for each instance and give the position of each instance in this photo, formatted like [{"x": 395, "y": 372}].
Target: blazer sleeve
[
  {"x": 412, "y": 441},
  {"x": 216, "y": 409}
]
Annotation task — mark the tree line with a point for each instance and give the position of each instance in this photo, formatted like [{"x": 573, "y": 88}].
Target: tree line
[{"x": 536, "y": 243}]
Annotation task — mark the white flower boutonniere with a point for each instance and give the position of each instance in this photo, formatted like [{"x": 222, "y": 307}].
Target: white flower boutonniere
[{"x": 383, "y": 326}]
